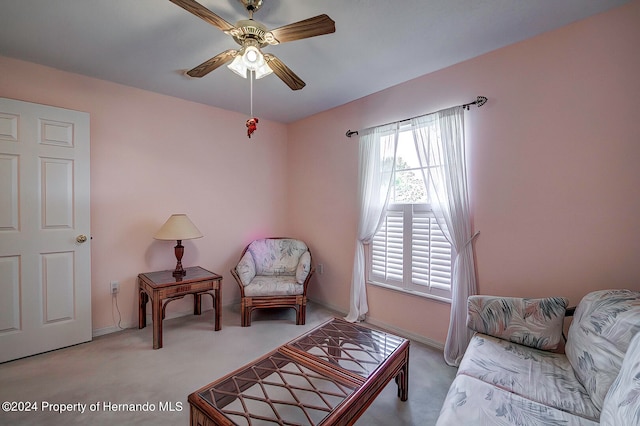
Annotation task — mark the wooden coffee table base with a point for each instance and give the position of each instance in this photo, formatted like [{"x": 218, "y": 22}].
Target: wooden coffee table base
[{"x": 328, "y": 376}]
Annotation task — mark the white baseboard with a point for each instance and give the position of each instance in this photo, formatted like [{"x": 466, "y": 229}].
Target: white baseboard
[
  {"x": 389, "y": 327},
  {"x": 123, "y": 326},
  {"x": 408, "y": 334},
  {"x": 381, "y": 324},
  {"x": 106, "y": 330}
]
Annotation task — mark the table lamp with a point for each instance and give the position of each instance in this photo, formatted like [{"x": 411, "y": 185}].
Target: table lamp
[{"x": 178, "y": 227}]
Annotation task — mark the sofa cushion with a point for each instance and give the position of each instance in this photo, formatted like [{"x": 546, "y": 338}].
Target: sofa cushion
[
  {"x": 282, "y": 285},
  {"x": 276, "y": 256},
  {"x": 473, "y": 402},
  {"x": 622, "y": 403},
  {"x": 603, "y": 325},
  {"x": 531, "y": 322},
  {"x": 544, "y": 377}
]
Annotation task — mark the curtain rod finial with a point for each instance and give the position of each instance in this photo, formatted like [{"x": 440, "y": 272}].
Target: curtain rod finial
[
  {"x": 351, "y": 133},
  {"x": 480, "y": 100}
]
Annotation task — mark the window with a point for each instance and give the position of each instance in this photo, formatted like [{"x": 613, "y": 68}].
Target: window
[{"x": 409, "y": 251}]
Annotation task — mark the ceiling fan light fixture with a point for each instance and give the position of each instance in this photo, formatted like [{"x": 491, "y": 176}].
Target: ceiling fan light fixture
[
  {"x": 263, "y": 71},
  {"x": 238, "y": 66},
  {"x": 252, "y": 56},
  {"x": 254, "y": 60}
]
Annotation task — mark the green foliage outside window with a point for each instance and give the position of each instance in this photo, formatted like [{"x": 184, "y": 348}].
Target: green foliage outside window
[{"x": 408, "y": 185}]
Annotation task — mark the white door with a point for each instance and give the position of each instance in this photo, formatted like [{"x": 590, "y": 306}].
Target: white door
[{"x": 45, "y": 267}]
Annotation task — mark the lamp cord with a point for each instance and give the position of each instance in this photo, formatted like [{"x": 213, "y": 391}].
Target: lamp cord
[{"x": 115, "y": 298}]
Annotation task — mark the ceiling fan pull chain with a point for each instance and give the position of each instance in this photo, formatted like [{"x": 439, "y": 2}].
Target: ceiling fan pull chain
[{"x": 252, "y": 123}]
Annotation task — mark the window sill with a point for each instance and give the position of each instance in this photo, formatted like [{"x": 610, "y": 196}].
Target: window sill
[{"x": 410, "y": 292}]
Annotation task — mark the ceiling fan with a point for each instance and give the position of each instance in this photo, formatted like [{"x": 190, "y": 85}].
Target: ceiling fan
[{"x": 252, "y": 36}]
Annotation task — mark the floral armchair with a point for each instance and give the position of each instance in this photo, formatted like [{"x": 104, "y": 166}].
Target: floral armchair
[{"x": 273, "y": 273}]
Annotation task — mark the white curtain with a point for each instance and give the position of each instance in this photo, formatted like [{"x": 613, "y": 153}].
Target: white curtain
[
  {"x": 375, "y": 174},
  {"x": 440, "y": 142}
]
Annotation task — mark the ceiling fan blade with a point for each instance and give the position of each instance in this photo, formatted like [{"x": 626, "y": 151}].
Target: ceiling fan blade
[
  {"x": 203, "y": 13},
  {"x": 213, "y": 63},
  {"x": 283, "y": 71},
  {"x": 318, "y": 25}
]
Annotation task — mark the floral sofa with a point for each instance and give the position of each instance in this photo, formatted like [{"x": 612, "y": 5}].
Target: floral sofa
[
  {"x": 273, "y": 273},
  {"x": 513, "y": 374}
]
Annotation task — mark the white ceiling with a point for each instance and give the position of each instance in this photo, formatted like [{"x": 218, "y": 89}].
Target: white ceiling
[{"x": 377, "y": 44}]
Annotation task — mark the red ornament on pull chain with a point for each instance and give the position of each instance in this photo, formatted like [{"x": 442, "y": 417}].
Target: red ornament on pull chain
[{"x": 252, "y": 125}]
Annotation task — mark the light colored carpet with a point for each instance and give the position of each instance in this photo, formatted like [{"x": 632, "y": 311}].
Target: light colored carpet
[{"x": 122, "y": 368}]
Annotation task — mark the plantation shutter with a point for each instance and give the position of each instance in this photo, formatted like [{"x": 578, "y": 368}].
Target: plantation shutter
[
  {"x": 387, "y": 251},
  {"x": 430, "y": 252},
  {"x": 410, "y": 251}
]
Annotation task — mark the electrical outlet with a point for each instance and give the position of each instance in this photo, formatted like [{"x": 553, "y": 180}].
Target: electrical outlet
[
  {"x": 321, "y": 268},
  {"x": 115, "y": 287}
]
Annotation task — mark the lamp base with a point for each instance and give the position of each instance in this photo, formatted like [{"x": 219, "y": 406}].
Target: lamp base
[
  {"x": 179, "y": 251},
  {"x": 179, "y": 273}
]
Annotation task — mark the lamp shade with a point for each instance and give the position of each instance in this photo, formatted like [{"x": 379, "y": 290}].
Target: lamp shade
[{"x": 178, "y": 227}]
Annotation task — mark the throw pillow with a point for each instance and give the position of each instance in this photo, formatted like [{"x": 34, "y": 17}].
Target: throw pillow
[{"x": 531, "y": 322}]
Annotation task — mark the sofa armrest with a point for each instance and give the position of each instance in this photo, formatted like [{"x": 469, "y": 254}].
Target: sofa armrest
[{"x": 531, "y": 322}]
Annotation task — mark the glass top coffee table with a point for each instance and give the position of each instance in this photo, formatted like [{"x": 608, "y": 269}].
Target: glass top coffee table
[{"x": 328, "y": 376}]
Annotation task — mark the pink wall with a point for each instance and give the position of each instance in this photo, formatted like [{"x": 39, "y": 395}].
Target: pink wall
[
  {"x": 151, "y": 156},
  {"x": 554, "y": 169}
]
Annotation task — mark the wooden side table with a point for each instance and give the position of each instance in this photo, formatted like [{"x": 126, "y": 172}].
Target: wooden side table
[{"x": 162, "y": 287}]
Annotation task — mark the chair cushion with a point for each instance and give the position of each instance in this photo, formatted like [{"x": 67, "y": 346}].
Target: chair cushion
[
  {"x": 603, "y": 325},
  {"x": 622, "y": 404},
  {"x": 276, "y": 256},
  {"x": 530, "y": 322},
  {"x": 281, "y": 285},
  {"x": 541, "y": 376}
]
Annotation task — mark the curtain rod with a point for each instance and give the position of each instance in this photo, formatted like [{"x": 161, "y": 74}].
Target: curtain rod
[{"x": 480, "y": 100}]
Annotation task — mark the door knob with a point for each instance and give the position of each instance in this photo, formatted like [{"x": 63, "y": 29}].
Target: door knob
[{"x": 81, "y": 238}]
